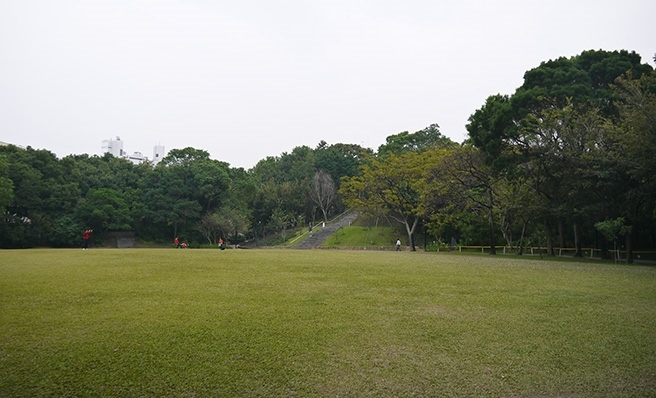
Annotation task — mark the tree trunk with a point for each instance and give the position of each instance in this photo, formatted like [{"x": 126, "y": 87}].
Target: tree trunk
[
  {"x": 629, "y": 245},
  {"x": 577, "y": 242},
  {"x": 493, "y": 249},
  {"x": 490, "y": 218},
  {"x": 604, "y": 249},
  {"x": 547, "y": 230},
  {"x": 411, "y": 231},
  {"x": 521, "y": 239},
  {"x": 629, "y": 236}
]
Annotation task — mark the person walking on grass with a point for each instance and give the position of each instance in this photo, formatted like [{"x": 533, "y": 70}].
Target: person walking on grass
[
  {"x": 398, "y": 245},
  {"x": 86, "y": 235}
]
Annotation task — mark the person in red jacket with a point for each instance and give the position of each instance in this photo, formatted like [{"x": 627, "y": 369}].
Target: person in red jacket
[{"x": 85, "y": 238}]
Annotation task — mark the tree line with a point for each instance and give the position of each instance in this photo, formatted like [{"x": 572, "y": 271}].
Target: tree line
[
  {"x": 567, "y": 160},
  {"x": 48, "y": 201}
]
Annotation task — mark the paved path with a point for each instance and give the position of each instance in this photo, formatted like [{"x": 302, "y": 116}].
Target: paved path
[{"x": 319, "y": 235}]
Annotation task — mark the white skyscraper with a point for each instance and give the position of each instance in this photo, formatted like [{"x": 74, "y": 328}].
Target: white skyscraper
[
  {"x": 115, "y": 147},
  {"x": 158, "y": 153}
]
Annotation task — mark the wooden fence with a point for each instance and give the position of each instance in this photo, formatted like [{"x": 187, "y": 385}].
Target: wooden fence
[{"x": 588, "y": 252}]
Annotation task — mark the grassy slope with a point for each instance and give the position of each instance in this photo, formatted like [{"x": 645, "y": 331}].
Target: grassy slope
[
  {"x": 166, "y": 322},
  {"x": 357, "y": 236}
]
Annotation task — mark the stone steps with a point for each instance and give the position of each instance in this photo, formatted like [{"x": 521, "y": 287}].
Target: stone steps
[{"x": 319, "y": 234}]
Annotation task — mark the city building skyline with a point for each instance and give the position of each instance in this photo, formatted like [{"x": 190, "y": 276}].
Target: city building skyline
[{"x": 115, "y": 147}]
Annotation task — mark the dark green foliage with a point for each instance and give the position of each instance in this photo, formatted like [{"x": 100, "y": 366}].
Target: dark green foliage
[
  {"x": 420, "y": 141},
  {"x": 584, "y": 79},
  {"x": 105, "y": 209},
  {"x": 489, "y": 126},
  {"x": 6, "y": 185},
  {"x": 66, "y": 231},
  {"x": 340, "y": 160},
  {"x": 50, "y": 201},
  {"x": 575, "y": 130}
]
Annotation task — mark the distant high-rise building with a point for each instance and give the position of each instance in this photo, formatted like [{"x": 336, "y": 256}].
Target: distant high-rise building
[
  {"x": 115, "y": 147},
  {"x": 158, "y": 153},
  {"x": 136, "y": 158}
]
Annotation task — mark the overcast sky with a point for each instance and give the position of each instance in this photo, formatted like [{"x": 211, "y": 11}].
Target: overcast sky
[{"x": 245, "y": 80}]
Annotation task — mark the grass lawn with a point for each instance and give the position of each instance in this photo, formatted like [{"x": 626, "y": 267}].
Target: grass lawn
[{"x": 198, "y": 323}]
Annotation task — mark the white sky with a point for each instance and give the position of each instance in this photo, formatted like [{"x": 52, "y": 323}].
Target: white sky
[{"x": 249, "y": 79}]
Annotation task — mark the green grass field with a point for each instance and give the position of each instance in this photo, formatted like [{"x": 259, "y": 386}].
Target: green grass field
[{"x": 203, "y": 323}]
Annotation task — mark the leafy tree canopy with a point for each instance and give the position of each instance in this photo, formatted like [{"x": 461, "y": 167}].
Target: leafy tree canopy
[
  {"x": 583, "y": 81},
  {"x": 6, "y": 185},
  {"x": 420, "y": 141},
  {"x": 184, "y": 156}
]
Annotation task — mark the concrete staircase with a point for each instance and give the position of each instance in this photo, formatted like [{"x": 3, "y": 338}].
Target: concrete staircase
[{"x": 319, "y": 234}]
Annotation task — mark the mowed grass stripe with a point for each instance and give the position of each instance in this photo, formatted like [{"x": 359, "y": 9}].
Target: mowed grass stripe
[{"x": 166, "y": 322}]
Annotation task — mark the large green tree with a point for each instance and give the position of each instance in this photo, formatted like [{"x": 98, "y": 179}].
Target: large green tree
[
  {"x": 172, "y": 194},
  {"x": 459, "y": 182},
  {"x": 29, "y": 217},
  {"x": 105, "y": 209},
  {"x": 554, "y": 130},
  {"x": 6, "y": 185},
  {"x": 391, "y": 186},
  {"x": 633, "y": 148},
  {"x": 582, "y": 81},
  {"x": 282, "y": 188},
  {"x": 419, "y": 141}
]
